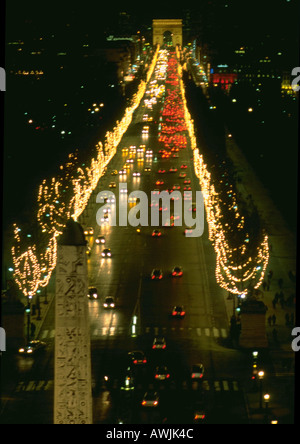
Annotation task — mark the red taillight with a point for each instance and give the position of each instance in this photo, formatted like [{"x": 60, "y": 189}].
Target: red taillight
[
  {"x": 153, "y": 277},
  {"x": 160, "y": 277},
  {"x": 156, "y": 376},
  {"x": 201, "y": 376},
  {"x": 174, "y": 313},
  {"x": 155, "y": 403},
  {"x": 174, "y": 273},
  {"x": 153, "y": 346},
  {"x": 145, "y": 361},
  {"x": 168, "y": 376},
  {"x": 183, "y": 313},
  {"x": 164, "y": 346},
  {"x": 180, "y": 273},
  {"x": 135, "y": 361},
  {"x": 144, "y": 403}
]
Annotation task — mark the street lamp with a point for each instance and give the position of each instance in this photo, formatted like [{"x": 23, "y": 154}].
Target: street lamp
[
  {"x": 267, "y": 399},
  {"x": 261, "y": 374}
]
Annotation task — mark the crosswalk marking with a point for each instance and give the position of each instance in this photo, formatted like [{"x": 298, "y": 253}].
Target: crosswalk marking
[
  {"x": 218, "y": 386},
  {"x": 34, "y": 386},
  {"x": 223, "y": 333},
  {"x": 225, "y": 385},
  {"x": 216, "y": 332},
  {"x": 209, "y": 332}
]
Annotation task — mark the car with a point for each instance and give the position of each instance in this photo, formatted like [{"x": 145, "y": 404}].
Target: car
[
  {"x": 109, "y": 302},
  {"x": 173, "y": 170},
  {"x": 188, "y": 231},
  {"x": 92, "y": 293},
  {"x": 106, "y": 252},
  {"x": 100, "y": 240},
  {"x": 199, "y": 414},
  {"x": 32, "y": 348},
  {"x": 161, "y": 171},
  {"x": 159, "y": 182},
  {"x": 136, "y": 174},
  {"x": 182, "y": 175},
  {"x": 176, "y": 187},
  {"x": 122, "y": 172},
  {"x": 156, "y": 233},
  {"x": 156, "y": 273},
  {"x": 197, "y": 371},
  {"x": 187, "y": 181},
  {"x": 89, "y": 231},
  {"x": 123, "y": 191},
  {"x": 150, "y": 399},
  {"x": 112, "y": 185},
  {"x": 178, "y": 312},
  {"x": 159, "y": 343},
  {"x": 147, "y": 169},
  {"x": 105, "y": 217},
  {"x": 129, "y": 161},
  {"x": 177, "y": 271},
  {"x": 128, "y": 381},
  {"x": 137, "y": 357},
  {"x": 162, "y": 373},
  {"x": 183, "y": 166}
]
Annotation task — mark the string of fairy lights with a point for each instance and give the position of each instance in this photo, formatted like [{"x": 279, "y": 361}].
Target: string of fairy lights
[
  {"x": 66, "y": 196},
  {"x": 238, "y": 269}
]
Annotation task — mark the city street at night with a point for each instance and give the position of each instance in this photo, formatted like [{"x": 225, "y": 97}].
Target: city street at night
[{"x": 185, "y": 311}]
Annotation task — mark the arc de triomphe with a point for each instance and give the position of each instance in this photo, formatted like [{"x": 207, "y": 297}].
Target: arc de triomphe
[{"x": 160, "y": 26}]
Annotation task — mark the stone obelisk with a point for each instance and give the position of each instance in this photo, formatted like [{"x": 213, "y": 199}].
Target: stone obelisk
[{"x": 72, "y": 371}]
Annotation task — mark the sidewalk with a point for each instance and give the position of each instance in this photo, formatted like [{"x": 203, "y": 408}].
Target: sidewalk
[{"x": 282, "y": 264}]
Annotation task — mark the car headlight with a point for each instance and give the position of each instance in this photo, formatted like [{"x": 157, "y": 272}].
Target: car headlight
[
  {"x": 21, "y": 350},
  {"x": 105, "y": 305},
  {"x": 112, "y": 305}
]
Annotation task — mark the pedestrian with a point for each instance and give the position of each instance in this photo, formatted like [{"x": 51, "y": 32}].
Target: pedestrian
[
  {"x": 281, "y": 299},
  {"x": 275, "y": 336},
  {"x": 264, "y": 284},
  {"x": 270, "y": 275},
  {"x": 32, "y": 329},
  {"x": 280, "y": 282},
  {"x": 287, "y": 319},
  {"x": 274, "y": 319},
  {"x": 270, "y": 320},
  {"x": 274, "y": 303}
]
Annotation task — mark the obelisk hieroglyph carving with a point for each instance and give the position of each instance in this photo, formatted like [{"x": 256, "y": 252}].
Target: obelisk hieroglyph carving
[{"x": 72, "y": 371}]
